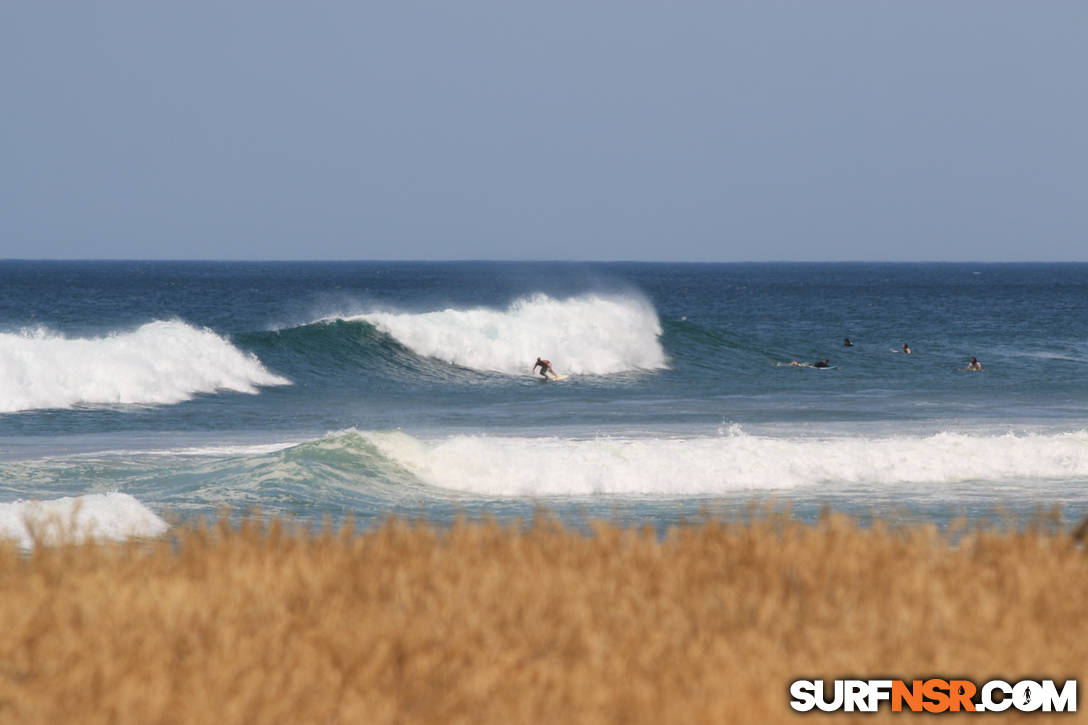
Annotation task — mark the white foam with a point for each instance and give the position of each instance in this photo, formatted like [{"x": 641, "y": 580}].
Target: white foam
[
  {"x": 112, "y": 516},
  {"x": 161, "y": 362},
  {"x": 590, "y": 334},
  {"x": 224, "y": 451},
  {"x": 509, "y": 466}
]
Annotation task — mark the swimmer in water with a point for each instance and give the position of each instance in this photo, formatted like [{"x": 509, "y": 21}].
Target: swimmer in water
[
  {"x": 974, "y": 364},
  {"x": 847, "y": 343},
  {"x": 906, "y": 348}
]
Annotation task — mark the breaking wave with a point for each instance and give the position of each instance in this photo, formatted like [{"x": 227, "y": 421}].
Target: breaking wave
[
  {"x": 161, "y": 362},
  {"x": 589, "y": 334},
  {"x": 523, "y": 466},
  {"x": 112, "y": 516}
]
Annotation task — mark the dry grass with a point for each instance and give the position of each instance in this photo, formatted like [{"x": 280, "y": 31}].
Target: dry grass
[{"x": 482, "y": 623}]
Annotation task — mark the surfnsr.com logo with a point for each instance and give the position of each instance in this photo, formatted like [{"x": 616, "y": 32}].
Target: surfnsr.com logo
[{"x": 933, "y": 695}]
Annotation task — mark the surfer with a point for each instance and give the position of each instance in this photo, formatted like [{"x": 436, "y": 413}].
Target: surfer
[
  {"x": 974, "y": 364},
  {"x": 825, "y": 363},
  {"x": 545, "y": 368},
  {"x": 906, "y": 348},
  {"x": 847, "y": 343}
]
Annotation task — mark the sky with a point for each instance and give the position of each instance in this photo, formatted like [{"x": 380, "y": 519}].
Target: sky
[{"x": 569, "y": 130}]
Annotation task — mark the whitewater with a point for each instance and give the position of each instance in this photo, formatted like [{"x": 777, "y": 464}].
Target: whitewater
[
  {"x": 588, "y": 334},
  {"x": 101, "y": 516},
  {"x": 554, "y": 466},
  {"x": 161, "y": 362}
]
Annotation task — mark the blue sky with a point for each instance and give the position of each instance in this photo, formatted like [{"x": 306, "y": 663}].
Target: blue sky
[{"x": 723, "y": 131}]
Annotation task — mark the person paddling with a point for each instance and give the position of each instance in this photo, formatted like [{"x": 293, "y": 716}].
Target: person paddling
[{"x": 825, "y": 363}]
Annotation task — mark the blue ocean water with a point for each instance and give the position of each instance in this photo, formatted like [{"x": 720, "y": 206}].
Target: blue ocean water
[{"x": 133, "y": 393}]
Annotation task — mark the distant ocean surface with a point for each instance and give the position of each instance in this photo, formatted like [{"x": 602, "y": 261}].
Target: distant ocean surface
[{"x": 134, "y": 395}]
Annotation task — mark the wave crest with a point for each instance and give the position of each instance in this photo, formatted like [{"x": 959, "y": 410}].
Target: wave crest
[
  {"x": 161, "y": 362},
  {"x": 589, "y": 334}
]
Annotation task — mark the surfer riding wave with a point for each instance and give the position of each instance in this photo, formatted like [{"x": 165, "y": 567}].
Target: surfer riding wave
[{"x": 545, "y": 368}]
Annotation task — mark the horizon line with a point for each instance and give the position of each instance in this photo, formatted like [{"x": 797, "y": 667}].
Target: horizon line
[{"x": 327, "y": 260}]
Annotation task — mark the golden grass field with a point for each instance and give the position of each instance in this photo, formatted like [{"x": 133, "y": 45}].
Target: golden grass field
[{"x": 480, "y": 623}]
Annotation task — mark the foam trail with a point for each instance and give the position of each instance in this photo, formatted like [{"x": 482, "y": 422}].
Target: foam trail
[
  {"x": 736, "y": 461},
  {"x": 589, "y": 334},
  {"x": 161, "y": 362},
  {"x": 113, "y": 516}
]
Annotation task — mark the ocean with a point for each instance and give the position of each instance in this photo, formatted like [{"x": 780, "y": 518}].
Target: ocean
[{"x": 139, "y": 395}]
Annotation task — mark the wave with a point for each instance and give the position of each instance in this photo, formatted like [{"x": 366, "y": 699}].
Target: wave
[
  {"x": 707, "y": 348},
  {"x": 320, "y": 349},
  {"x": 715, "y": 465},
  {"x": 510, "y": 466},
  {"x": 112, "y": 516},
  {"x": 161, "y": 362},
  {"x": 589, "y": 334},
  {"x": 383, "y": 471}
]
